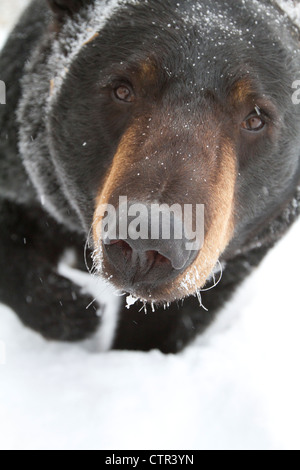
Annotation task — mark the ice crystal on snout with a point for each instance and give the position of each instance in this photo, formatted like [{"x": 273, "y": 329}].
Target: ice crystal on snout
[{"x": 130, "y": 300}]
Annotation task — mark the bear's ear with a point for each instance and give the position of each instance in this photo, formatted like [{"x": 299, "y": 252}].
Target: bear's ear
[{"x": 66, "y": 7}]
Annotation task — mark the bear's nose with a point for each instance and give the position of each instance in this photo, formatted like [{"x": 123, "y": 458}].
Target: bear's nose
[{"x": 149, "y": 248}]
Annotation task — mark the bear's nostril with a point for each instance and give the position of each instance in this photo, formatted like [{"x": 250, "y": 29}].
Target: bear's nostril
[
  {"x": 125, "y": 249},
  {"x": 155, "y": 258},
  {"x": 147, "y": 259}
]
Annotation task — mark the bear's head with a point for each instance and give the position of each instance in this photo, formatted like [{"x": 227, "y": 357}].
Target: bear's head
[{"x": 163, "y": 103}]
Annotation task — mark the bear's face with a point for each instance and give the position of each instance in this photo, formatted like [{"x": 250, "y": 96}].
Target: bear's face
[{"x": 171, "y": 104}]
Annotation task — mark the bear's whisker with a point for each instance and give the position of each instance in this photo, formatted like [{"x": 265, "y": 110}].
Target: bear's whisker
[
  {"x": 90, "y": 304},
  {"x": 200, "y": 300},
  {"x": 215, "y": 282}
]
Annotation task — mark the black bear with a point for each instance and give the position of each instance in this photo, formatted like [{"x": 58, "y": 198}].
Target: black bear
[{"x": 183, "y": 102}]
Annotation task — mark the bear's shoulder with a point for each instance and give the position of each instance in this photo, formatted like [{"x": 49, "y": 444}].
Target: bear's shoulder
[{"x": 13, "y": 58}]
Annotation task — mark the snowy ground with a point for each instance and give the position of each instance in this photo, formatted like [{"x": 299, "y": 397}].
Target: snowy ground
[{"x": 237, "y": 387}]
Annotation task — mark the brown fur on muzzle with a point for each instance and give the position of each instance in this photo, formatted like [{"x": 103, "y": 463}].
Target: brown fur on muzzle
[{"x": 169, "y": 181}]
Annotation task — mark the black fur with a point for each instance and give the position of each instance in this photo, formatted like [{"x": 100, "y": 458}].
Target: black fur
[
  {"x": 63, "y": 7},
  {"x": 49, "y": 206}
]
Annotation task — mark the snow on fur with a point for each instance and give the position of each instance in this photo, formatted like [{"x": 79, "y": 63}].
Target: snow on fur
[{"x": 291, "y": 8}]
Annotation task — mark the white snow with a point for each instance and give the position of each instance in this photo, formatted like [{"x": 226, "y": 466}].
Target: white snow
[
  {"x": 291, "y": 8},
  {"x": 9, "y": 12},
  {"x": 102, "y": 293},
  {"x": 236, "y": 387},
  {"x": 130, "y": 300}
]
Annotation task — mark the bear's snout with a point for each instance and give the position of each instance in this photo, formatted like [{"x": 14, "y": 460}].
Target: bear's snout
[
  {"x": 155, "y": 267},
  {"x": 150, "y": 249}
]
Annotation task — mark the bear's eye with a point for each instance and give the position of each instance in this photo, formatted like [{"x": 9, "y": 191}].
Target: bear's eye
[
  {"x": 124, "y": 93},
  {"x": 254, "y": 123}
]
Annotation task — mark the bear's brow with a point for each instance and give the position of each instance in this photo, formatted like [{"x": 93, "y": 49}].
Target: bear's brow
[{"x": 242, "y": 90}]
